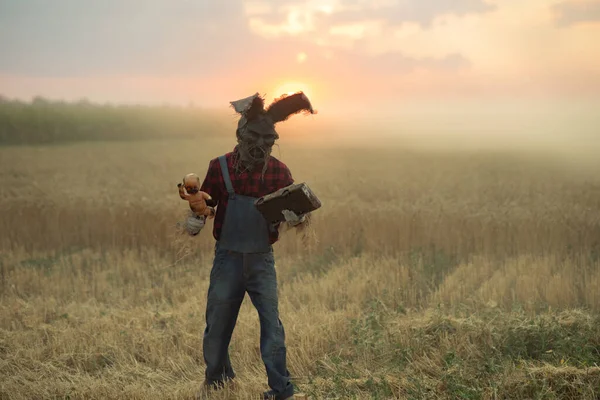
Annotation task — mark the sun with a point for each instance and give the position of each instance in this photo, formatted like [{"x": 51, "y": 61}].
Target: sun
[
  {"x": 301, "y": 57},
  {"x": 290, "y": 88}
]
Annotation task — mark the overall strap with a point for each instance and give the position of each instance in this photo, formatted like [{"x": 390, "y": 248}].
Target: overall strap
[{"x": 226, "y": 178}]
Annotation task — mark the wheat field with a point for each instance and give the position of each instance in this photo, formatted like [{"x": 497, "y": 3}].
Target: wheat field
[{"x": 431, "y": 273}]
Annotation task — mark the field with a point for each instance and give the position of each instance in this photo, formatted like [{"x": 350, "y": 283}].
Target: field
[{"x": 433, "y": 273}]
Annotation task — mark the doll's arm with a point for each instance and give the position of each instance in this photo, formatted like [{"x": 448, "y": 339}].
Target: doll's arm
[
  {"x": 182, "y": 192},
  {"x": 210, "y": 211}
]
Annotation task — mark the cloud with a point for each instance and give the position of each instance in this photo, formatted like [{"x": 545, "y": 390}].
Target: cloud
[
  {"x": 368, "y": 27},
  {"x": 294, "y": 17},
  {"x": 341, "y": 69},
  {"x": 569, "y": 13},
  {"x": 71, "y": 37},
  {"x": 207, "y": 48},
  {"x": 400, "y": 11}
]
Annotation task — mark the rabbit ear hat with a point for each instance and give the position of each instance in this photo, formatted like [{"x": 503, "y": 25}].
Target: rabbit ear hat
[
  {"x": 256, "y": 132},
  {"x": 280, "y": 109}
]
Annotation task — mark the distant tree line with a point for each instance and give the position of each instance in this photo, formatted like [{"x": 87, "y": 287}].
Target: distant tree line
[{"x": 50, "y": 121}]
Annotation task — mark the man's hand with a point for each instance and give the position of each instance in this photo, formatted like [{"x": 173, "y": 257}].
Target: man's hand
[
  {"x": 194, "y": 223},
  {"x": 292, "y": 218}
]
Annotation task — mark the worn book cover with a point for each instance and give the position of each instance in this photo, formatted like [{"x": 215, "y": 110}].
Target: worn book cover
[{"x": 297, "y": 197}]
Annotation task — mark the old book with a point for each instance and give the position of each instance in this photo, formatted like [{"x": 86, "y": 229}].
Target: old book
[{"x": 297, "y": 197}]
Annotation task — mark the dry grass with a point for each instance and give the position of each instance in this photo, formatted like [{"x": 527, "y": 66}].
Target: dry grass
[{"x": 436, "y": 274}]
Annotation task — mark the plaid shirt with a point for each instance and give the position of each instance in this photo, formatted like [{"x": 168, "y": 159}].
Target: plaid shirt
[{"x": 250, "y": 184}]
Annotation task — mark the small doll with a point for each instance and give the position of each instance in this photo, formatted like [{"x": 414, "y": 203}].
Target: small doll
[{"x": 190, "y": 191}]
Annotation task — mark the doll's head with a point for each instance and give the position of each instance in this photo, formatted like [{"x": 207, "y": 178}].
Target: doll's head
[{"x": 191, "y": 183}]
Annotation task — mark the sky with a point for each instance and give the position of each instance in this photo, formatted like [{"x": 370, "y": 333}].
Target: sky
[{"x": 345, "y": 54}]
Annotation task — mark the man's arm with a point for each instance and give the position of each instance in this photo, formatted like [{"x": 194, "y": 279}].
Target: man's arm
[{"x": 211, "y": 181}]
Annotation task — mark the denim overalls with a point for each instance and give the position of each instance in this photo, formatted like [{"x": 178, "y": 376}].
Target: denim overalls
[{"x": 244, "y": 262}]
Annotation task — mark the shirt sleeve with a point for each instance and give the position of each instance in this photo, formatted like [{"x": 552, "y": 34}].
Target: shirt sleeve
[
  {"x": 211, "y": 182},
  {"x": 287, "y": 177}
]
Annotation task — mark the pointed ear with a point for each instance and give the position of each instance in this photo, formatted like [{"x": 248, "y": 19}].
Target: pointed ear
[
  {"x": 250, "y": 106},
  {"x": 284, "y": 106}
]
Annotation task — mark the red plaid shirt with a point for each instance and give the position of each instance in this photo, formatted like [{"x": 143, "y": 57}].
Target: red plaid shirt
[{"x": 276, "y": 177}]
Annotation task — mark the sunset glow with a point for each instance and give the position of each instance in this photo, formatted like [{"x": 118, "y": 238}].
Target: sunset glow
[
  {"x": 290, "y": 88},
  {"x": 339, "y": 52},
  {"x": 301, "y": 57}
]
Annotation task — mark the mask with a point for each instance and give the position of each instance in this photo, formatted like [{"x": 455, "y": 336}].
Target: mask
[{"x": 256, "y": 132}]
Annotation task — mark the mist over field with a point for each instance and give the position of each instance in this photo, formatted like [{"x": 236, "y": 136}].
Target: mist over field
[{"x": 454, "y": 257}]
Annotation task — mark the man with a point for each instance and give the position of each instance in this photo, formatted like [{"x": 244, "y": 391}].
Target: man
[{"x": 244, "y": 260}]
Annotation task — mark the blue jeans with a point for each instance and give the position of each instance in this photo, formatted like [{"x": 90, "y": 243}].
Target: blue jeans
[{"x": 233, "y": 274}]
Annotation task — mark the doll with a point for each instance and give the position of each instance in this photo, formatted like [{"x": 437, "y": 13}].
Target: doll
[{"x": 190, "y": 191}]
